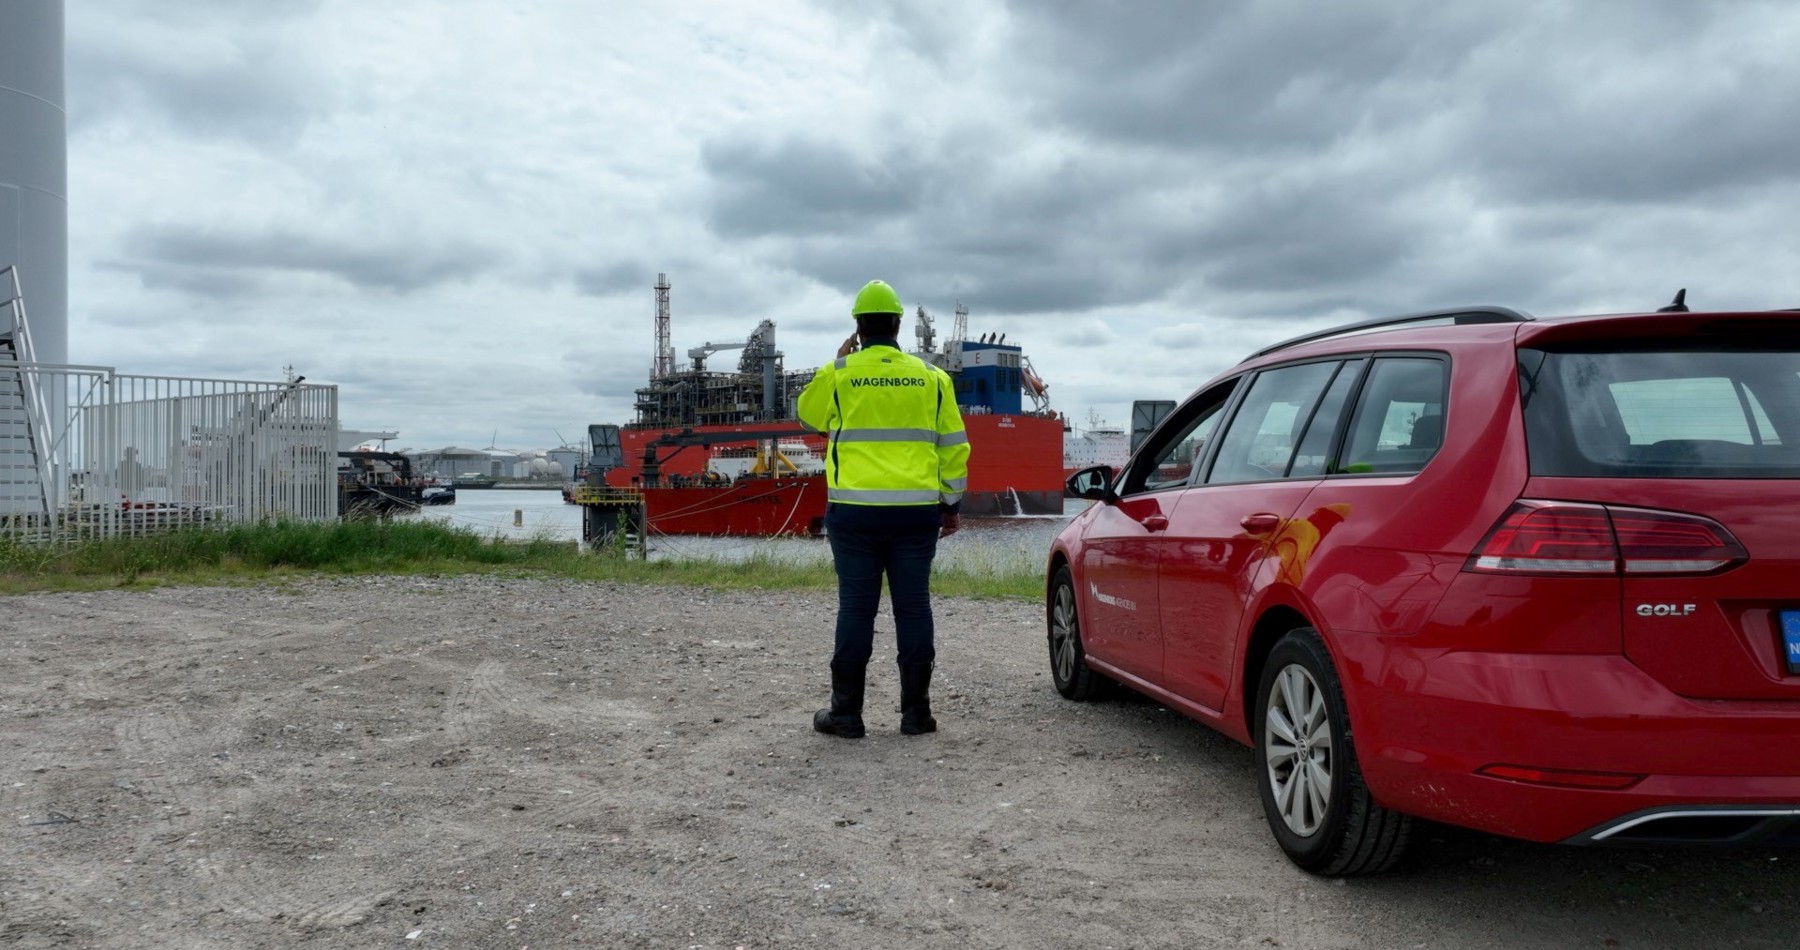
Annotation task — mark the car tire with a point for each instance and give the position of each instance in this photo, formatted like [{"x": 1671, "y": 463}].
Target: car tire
[
  {"x": 1069, "y": 671},
  {"x": 1312, "y": 788}
]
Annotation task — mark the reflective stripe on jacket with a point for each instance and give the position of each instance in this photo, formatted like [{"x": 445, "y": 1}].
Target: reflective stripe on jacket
[{"x": 896, "y": 435}]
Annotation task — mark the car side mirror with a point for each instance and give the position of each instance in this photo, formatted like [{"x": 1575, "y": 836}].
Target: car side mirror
[{"x": 1093, "y": 483}]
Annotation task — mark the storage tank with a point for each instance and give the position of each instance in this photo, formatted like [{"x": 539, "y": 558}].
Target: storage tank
[{"x": 34, "y": 169}]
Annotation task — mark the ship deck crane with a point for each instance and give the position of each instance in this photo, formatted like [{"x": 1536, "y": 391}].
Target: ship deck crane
[{"x": 699, "y": 353}]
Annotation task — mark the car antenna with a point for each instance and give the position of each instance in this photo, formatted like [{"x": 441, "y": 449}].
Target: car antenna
[{"x": 1679, "y": 305}]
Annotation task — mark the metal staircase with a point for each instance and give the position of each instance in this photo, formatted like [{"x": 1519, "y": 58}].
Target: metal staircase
[{"x": 25, "y": 442}]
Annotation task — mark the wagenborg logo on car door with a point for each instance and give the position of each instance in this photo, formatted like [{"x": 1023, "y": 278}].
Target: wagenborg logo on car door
[{"x": 1109, "y": 599}]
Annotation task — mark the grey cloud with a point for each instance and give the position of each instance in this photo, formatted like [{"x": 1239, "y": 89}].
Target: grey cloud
[
  {"x": 195, "y": 259},
  {"x": 204, "y": 365},
  {"x": 616, "y": 278},
  {"x": 611, "y": 373},
  {"x": 427, "y": 397},
  {"x": 1322, "y": 234},
  {"x": 936, "y": 222},
  {"x": 803, "y": 183},
  {"x": 1272, "y": 75},
  {"x": 201, "y": 282},
  {"x": 1049, "y": 286},
  {"x": 939, "y": 31},
  {"x": 1647, "y": 149},
  {"x": 1128, "y": 389},
  {"x": 707, "y": 291},
  {"x": 1082, "y": 334},
  {"x": 1100, "y": 38},
  {"x": 1595, "y": 111},
  {"x": 936, "y": 280},
  {"x": 239, "y": 75},
  {"x": 1112, "y": 229}
]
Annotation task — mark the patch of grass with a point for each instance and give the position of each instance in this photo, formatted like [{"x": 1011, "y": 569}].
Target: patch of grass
[
  {"x": 257, "y": 553},
  {"x": 989, "y": 584}
]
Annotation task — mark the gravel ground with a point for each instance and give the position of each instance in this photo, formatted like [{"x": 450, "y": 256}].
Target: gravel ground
[{"x": 485, "y": 762}]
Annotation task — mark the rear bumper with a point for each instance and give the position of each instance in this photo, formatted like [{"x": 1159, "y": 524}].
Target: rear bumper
[
  {"x": 1686, "y": 825},
  {"x": 1426, "y": 720}
]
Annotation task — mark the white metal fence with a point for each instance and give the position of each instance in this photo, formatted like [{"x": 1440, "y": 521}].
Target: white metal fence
[{"x": 117, "y": 454}]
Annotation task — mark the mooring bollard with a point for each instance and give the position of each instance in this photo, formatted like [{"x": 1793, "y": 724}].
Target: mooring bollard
[{"x": 518, "y": 517}]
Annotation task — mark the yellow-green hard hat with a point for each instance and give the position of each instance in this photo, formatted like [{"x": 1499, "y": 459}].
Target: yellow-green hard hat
[{"x": 877, "y": 297}]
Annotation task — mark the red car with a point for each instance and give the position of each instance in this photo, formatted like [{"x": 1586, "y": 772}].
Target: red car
[{"x": 1536, "y": 577}]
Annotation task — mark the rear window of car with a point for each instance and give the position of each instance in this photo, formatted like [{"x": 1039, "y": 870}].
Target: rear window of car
[{"x": 1689, "y": 413}]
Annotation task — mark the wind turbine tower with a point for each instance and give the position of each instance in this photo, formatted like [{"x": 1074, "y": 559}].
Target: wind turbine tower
[{"x": 34, "y": 178}]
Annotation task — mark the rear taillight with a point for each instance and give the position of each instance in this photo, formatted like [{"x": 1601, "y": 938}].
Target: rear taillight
[
  {"x": 1549, "y": 537},
  {"x": 1538, "y": 538},
  {"x": 1663, "y": 542}
]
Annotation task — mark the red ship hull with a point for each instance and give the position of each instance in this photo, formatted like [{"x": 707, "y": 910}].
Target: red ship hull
[
  {"x": 750, "y": 507},
  {"x": 1015, "y": 461}
]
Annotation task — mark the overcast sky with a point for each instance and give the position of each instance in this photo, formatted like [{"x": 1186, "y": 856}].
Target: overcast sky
[{"x": 455, "y": 210}]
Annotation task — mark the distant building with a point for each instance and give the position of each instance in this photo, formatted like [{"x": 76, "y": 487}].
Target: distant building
[
  {"x": 349, "y": 439},
  {"x": 568, "y": 458},
  {"x": 451, "y": 461}
]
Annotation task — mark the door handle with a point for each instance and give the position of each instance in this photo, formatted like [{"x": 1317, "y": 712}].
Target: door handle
[
  {"x": 1155, "y": 522},
  {"x": 1261, "y": 523}
]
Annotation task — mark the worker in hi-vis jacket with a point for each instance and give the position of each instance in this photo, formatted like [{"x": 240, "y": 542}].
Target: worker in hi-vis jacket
[{"x": 897, "y": 466}]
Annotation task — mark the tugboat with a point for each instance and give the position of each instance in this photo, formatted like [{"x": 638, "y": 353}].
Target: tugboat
[
  {"x": 472, "y": 480},
  {"x": 376, "y": 484}
]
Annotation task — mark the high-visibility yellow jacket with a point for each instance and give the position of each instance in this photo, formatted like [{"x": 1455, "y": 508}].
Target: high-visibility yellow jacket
[{"x": 896, "y": 435}]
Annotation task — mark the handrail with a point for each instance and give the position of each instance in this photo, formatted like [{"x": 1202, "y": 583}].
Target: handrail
[
  {"x": 1460, "y": 316},
  {"x": 37, "y": 411}
]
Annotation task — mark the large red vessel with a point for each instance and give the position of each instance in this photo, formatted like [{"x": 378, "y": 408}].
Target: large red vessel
[
  {"x": 1015, "y": 461},
  {"x": 1015, "y": 440},
  {"x": 753, "y": 507}
]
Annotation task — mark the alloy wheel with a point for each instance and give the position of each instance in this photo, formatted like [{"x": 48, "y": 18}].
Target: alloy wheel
[
  {"x": 1063, "y": 633},
  {"x": 1298, "y": 749}
]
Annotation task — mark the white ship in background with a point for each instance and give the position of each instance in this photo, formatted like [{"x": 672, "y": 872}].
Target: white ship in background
[{"x": 1098, "y": 444}]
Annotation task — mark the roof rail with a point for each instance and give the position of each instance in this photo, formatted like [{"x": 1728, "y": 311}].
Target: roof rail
[{"x": 1460, "y": 316}]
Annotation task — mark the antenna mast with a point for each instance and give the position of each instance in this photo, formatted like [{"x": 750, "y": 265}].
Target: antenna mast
[
  {"x": 960, "y": 330},
  {"x": 665, "y": 349}
]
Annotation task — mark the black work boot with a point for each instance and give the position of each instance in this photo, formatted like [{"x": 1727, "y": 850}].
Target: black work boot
[
  {"x": 844, "y": 718},
  {"x": 915, "y": 699}
]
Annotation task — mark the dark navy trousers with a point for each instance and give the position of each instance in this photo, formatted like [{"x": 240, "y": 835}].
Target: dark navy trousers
[{"x": 869, "y": 542}]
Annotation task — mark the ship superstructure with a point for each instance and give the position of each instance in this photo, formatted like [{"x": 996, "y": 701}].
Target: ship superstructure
[{"x": 1098, "y": 444}]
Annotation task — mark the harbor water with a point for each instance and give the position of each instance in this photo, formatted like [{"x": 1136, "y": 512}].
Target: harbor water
[{"x": 997, "y": 544}]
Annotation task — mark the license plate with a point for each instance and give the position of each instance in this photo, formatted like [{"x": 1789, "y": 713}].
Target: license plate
[{"x": 1790, "y": 638}]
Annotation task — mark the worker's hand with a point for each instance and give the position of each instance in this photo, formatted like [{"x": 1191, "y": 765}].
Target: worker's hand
[
  {"x": 847, "y": 347},
  {"x": 952, "y": 524}
]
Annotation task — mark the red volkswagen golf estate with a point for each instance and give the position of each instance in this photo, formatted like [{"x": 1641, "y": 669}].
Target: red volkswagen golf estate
[{"x": 1537, "y": 577}]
